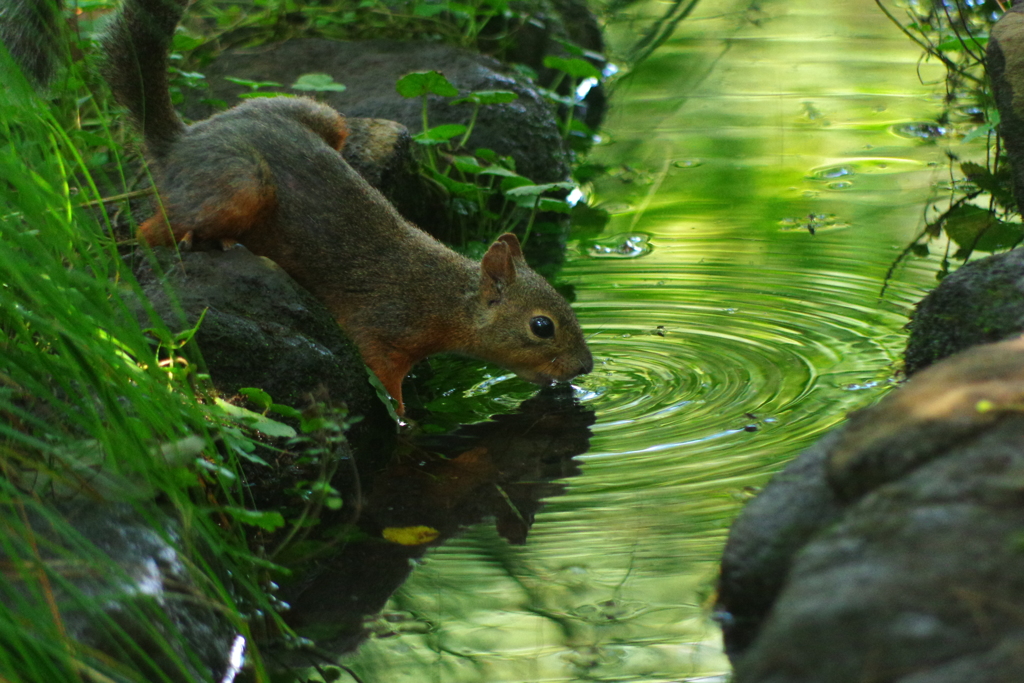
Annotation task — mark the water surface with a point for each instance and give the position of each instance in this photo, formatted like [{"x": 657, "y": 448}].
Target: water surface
[{"x": 767, "y": 165}]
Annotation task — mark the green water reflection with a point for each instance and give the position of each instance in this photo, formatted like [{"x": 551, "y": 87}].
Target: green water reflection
[{"x": 727, "y": 338}]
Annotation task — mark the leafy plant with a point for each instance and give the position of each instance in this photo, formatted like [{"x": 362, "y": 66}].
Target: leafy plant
[
  {"x": 97, "y": 411},
  {"x": 487, "y": 196},
  {"x": 978, "y": 211},
  {"x": 576, "y": 71}
]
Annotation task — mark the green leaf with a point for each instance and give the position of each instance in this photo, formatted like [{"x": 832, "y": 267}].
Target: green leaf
[
  {"x": 313, "y": 424},
  {"x": 240, "y": 444},
  {"x": 254, "y": 95},
  {"x": 422, "y": 9},
  {"x": 219, "y": 470},
  {"x": 536, "y": 190},
  {"x": 488, "y": 97},
  {"x": 488, "y": 155},
  {"x": 182, "y": 42},
  {"x": 588, "y": 221},
  {"x": 252, "y": 85},
  {"x": 957, "y": 43},
  {"x": 552, "y": 96},
  {"x": 553, "y": 205},
  {"x": 980, "y": 131},
  {"x": 455, "y": 187},
  {"x": 258, "y": 396},
  {"x": 269, "y": 521},
  {"x": 467, "y": 164},
  {"x": 512, "y": 182},
  {"x": 973, "y": 228},
  {"x": 575, "y": 67},
  {"x": 317, "y": 83},
  {"x": 572, "y": 48},
  {"x": 257, "y": 421},
  {"x": 966, "y": 223},
  {"x": 286, "y": 411},
  {"x": 383, "y": 395},
  {"x": 459, "y": 9},
  {"x": 997, "y": 184},
  {"x": 438, "y": 135},
  {"x": 1002, "y": 235},
  {"x": 529, "y": 197},
  {"x": 504, "y": 172},
  {"x": 422, "y": 83}
]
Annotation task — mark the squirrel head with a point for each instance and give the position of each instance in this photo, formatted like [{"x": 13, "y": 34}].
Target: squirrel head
[{"x": 523, "y": 324}]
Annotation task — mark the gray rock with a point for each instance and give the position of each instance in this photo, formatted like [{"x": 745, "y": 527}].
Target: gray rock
[
  {"x": 937, "y": 409},
  {"x": 890, "y": 550},
  {"x": 981, "y": 302},
  {"x": 259, "y": 329},
  {"x": 1004, "y": 62},
  {"x": 126, "y": 595},
  {"x": 524, "y": 129},
  {"x": 774, "y": 526},
  {"x": 920, "y": 574}
]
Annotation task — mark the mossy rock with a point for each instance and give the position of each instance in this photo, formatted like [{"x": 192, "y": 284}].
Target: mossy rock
[
  {"x": 981, "y": 302},
  {"x": 261, "y": 329}
]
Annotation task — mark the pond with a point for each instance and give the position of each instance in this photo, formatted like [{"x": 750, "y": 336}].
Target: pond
[{"x": 765, "y": 171}]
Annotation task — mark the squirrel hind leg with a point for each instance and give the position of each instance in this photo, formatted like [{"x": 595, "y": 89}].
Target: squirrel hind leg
[
  {"x": 242, "y": 205},
  {"x": 157, "y": 231},
  {"x": 220, "y": 212}
]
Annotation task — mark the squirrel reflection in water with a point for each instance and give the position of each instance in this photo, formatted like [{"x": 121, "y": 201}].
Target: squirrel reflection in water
[{"x": 503, "y": 468}]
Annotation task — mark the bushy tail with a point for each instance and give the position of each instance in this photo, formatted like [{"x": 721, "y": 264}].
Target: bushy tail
[
  {"x": 136, "y": 51},
  {"x": 33, "y": 32}
]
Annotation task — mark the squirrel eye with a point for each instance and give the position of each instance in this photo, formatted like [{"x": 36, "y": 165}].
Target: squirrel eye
[{"x": 542, "y": 326}]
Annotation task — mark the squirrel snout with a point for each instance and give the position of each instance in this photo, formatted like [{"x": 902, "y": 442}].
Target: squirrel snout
[
  {"x": 569, "y": 367},
  {"x": 573, "y": 365},
  {"x": 586, "y": 363}
]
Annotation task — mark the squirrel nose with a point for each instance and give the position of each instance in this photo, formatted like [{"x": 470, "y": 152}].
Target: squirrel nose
[{"x": 587, "y": 365}]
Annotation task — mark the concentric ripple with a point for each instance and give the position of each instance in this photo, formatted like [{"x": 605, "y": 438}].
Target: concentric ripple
[
  {"x": 762, "y": 182},
  {"x": 699, "y": 358}
]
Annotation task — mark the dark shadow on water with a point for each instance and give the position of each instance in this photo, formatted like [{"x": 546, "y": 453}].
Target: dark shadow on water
[{"x": 501, "y": 469}]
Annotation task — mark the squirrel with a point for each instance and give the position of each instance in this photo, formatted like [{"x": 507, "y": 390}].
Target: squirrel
[
  {"x": 269, "y": 174},
  {"x": 35, "y": 35}
]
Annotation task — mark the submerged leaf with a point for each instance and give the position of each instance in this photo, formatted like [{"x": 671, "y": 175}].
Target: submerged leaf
[{"x": 410, "y": 535}]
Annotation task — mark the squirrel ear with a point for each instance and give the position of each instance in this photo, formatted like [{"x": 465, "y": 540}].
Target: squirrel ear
[
  {"x": 513, "y": 244},
  {"x": 497, "y": 270}
]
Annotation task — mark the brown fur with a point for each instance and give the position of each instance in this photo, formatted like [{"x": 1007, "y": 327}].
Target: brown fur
[{"x": 269, "y": 175}]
